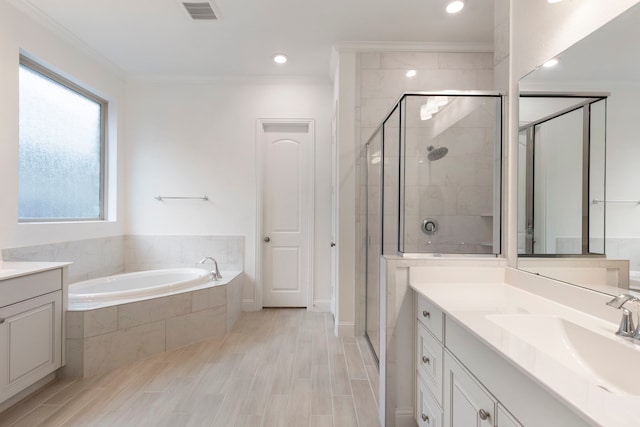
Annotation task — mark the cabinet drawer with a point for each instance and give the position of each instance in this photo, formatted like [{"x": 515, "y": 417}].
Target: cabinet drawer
[
  {"x": 429, "y": 361},
  {"x": 29, "y": 286},
  {"x": 428, "y": 413},
  {"x": 431, "y": 317}
]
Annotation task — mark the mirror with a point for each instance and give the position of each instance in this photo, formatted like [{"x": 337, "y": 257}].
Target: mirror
[
  {"x": 605, "y": 64},
  {"x": 561, "y": 164}
]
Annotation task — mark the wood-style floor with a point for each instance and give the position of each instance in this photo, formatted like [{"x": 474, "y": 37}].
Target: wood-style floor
[{"x": 278, "y": 367}]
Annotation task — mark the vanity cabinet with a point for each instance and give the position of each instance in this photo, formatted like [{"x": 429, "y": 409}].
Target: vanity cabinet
[
  {"x": 30, "y": 330},
  {"x": 447, "y": 394},
  {"x": 429, "y": 365}
]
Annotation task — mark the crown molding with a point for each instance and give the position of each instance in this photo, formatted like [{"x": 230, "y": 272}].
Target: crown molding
[
  {"x": 414, "y": 46},
  {"x": 255, "y": 79},
  {"x": 40, "y": 17}
]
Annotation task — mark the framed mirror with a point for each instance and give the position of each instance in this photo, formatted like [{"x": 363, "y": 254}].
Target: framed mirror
[{"x": 587, "y": 203}]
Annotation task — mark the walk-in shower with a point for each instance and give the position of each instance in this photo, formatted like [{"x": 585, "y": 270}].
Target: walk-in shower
[{"x": 431, "y": 183}]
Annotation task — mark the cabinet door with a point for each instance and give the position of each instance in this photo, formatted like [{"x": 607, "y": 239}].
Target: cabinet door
[
  {"x": 30, "y": 342},
  {"x": 505, "y": 419},
  {"x": 466, "y": 402},
  {"x": 428, "y": 413}
]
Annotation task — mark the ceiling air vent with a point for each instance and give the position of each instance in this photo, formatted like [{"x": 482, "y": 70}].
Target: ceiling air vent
[{"x": 200, "y": 10}]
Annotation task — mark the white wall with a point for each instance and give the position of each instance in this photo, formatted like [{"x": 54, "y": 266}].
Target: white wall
[
  {"x": 18, "y": 31},
  {"x": 199, "y": 137}
]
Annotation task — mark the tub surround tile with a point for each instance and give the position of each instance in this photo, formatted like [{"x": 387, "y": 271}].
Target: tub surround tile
[
  {"x": 208, "y": 298},
  {"x": 106, "y": 256},
  {"x": 104, "y": 353},
  {"x": 153, "y": 252},
  {"x": 188, "y": 328},
  {"x": 138, "y": 313},
  {"x": 91, "y": 257},
  {"x": 74, "y": 324},
  {"x": 100, "y": 321},
  {"x": 101, "y": 340}
]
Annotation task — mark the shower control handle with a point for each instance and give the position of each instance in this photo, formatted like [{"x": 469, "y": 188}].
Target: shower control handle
[{"x": 267, "y": 239}]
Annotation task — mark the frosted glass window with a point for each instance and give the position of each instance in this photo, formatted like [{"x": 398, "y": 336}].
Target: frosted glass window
[{"x": 61, "y": 148}]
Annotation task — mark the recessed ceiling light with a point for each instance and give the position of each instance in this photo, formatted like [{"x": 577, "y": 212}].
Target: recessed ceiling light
[
  {"x": 411, "y": 73},
  {"x": 550, "y": 63},
  {"x": 280, "y": 58},
  {"x": 455, "y": 6}
]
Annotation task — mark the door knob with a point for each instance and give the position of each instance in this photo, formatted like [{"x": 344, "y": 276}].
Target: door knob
[{"x": 267, "y": 239}]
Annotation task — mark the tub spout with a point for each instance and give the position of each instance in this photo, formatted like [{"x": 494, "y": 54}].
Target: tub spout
[{"x": 215, "y": 273}]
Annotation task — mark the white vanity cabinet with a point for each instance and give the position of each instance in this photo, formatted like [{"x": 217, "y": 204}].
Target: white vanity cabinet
[
  {"x": 31, "y": 330},
  {"x": 447, "y": 394}
]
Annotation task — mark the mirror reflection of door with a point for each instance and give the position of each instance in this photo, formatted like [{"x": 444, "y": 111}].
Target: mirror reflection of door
[{"x": 558, "y": 211}]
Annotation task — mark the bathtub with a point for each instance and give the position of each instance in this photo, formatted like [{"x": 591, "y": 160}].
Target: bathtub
[
  {"x": 139, "y": 286},
  {"x": 116, "y": 320}
]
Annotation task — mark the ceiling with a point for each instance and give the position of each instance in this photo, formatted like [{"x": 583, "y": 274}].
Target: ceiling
[
  {"x": 610, "y": 54},
  {"x": 158, "y": 38}
]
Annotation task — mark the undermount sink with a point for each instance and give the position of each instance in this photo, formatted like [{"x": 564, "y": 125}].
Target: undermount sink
[{"x": 610, "y": 362}]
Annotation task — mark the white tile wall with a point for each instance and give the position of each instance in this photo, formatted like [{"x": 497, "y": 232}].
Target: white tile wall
[
  {"x": 91, "y": 258},
  {"x": 112, "y": 255}
]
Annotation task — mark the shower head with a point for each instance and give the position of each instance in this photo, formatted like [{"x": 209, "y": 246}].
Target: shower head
[{"x": 436, "y": 153}]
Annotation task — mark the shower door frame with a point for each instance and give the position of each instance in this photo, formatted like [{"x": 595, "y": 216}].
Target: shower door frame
[{"x": 530, "y": 132}]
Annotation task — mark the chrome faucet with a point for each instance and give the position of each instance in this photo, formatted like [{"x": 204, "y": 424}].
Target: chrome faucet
[
  {"x": 215, "y": 273},
  {"x": 627, "y": 328}
]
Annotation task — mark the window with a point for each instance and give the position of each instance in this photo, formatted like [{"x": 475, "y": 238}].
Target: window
[{"x": 62, "y": 148}]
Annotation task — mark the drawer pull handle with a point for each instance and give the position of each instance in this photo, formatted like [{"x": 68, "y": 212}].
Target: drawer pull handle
[
  {"x": 425, "y": 359},
  {"x": 426, "y": 314},
  {"x": 425, "y": 418},
  {"x": 484, "y": 415}
]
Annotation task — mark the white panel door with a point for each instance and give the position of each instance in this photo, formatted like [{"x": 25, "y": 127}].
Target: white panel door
[{"x": 286, "y": 214}]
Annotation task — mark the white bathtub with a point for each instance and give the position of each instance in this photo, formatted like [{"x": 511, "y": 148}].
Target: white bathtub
[{"x": 139, "y": 286}]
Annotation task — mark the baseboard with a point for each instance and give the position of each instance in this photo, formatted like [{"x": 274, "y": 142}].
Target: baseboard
[
  {"x": 248, "y": 305},
  {"x": 345, "y": 329},
  {"x": 405, "y": 417},
  {"x": 322, "y": 305}
]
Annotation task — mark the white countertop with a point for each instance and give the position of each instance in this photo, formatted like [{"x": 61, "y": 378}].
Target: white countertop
[
  {"x": 473, "y": 305},
  {"x": 10, "y": 270}
]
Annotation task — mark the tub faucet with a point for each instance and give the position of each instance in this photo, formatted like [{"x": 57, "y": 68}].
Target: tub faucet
[
  {"x": 627, "y": 328},
  {"x": 215, "y": 273}
]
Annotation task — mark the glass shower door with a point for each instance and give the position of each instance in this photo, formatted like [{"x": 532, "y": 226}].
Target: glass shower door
[{"x": 374, "y": 242}]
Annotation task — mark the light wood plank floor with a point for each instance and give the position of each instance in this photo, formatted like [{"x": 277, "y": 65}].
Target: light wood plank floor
[{"x": 278, "y": 367}]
